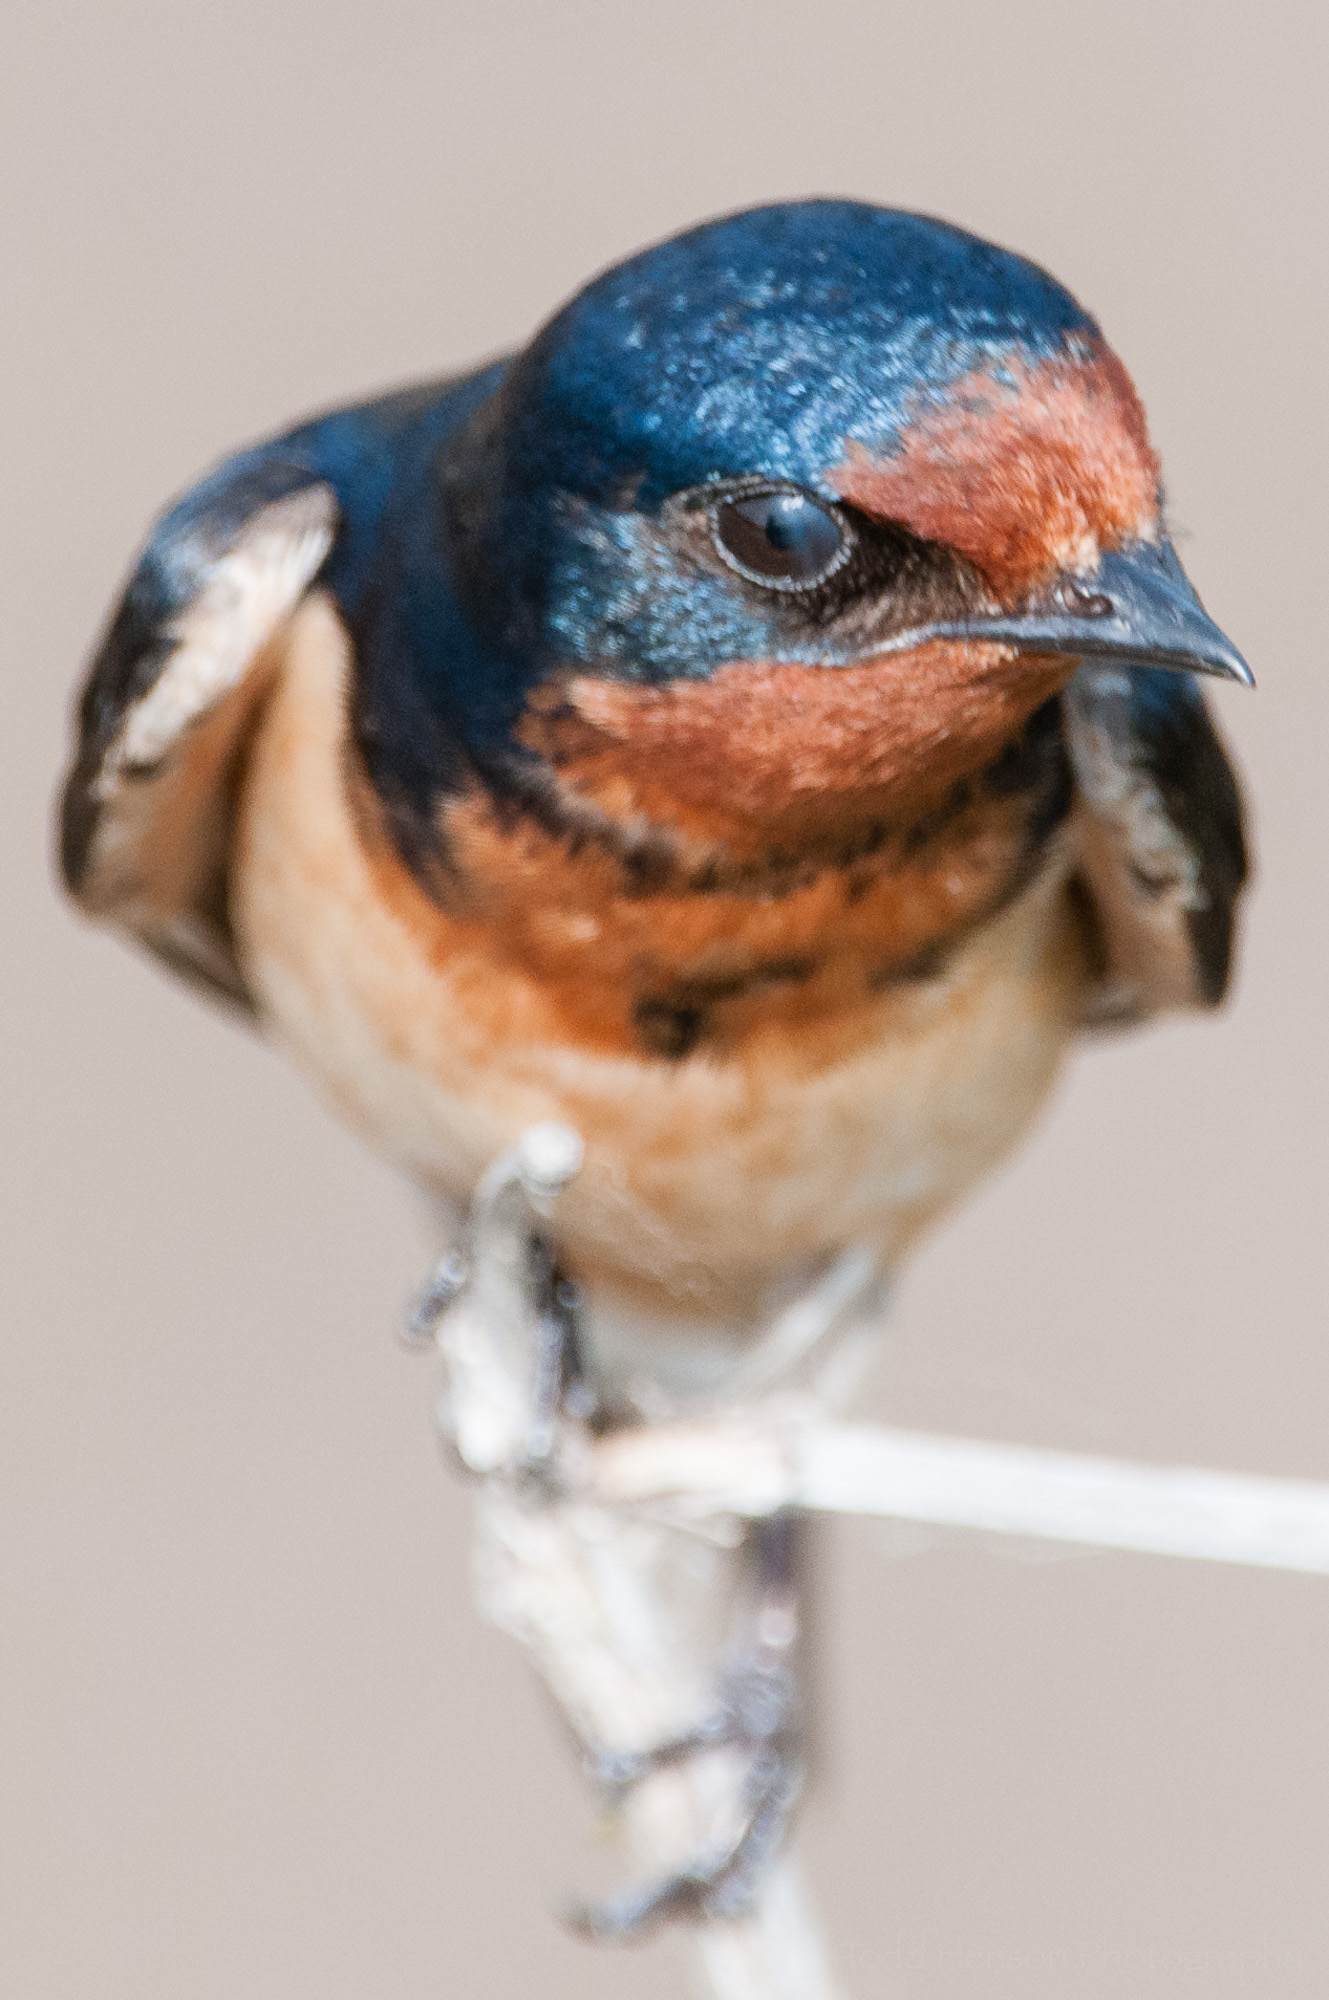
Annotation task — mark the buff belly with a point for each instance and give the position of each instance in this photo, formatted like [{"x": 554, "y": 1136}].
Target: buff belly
[{"x": 706, "y": 1178}]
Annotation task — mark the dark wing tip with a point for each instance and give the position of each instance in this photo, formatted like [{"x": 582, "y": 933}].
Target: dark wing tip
[{"x": 1163, "y": 835}]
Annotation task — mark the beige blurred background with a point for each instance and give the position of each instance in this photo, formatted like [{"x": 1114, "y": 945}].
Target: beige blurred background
[{"x": 254, "y": 1743}]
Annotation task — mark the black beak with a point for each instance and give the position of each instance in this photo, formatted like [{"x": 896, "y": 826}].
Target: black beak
[{"x": 1138, "y": 604}]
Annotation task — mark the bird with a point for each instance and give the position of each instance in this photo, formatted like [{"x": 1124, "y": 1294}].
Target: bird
[{"x": 756, "y": 724}]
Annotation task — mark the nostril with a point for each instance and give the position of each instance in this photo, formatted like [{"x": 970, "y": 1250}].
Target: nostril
[{"x": 1086, "y": 603}]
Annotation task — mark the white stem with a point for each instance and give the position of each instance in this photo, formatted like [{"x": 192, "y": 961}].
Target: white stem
[
  {"x": 757, "y": 1464},
  {"x": 775, "y": 1954}
]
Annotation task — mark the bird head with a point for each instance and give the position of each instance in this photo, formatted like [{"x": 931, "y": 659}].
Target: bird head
[{"x": 821, "y": 436}]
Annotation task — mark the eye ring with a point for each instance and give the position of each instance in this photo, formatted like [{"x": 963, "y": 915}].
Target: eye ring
[{"x": 792, "y": 545}]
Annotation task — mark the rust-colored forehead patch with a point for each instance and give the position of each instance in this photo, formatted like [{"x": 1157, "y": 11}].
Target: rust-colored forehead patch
[{"x": 1026, "y": 472}]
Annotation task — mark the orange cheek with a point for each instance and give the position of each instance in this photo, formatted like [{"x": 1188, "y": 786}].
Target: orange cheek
[{"x": 768, "y": 752}]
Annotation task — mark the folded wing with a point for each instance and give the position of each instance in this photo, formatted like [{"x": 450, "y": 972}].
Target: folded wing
[
  {"x": 169, "y": 701},
  {"x": 1161, "y": 843}
]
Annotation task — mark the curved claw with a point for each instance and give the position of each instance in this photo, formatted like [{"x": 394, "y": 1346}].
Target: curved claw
[
  {"x": 712, "y": 1888},
  {"x": 619, "y": 1770},
  {"x": 758, "y": 1716}
]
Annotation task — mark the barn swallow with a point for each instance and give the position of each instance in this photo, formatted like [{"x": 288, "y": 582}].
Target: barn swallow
[{"x": 756, "y": 724}]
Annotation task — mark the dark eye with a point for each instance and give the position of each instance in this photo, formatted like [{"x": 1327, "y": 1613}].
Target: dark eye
[{"x": 783, "y": 540}]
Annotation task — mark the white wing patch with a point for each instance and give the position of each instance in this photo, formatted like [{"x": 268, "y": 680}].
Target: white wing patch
[
  {"x": 246, "y": 596},
  {"x": 164, "y": 793}
]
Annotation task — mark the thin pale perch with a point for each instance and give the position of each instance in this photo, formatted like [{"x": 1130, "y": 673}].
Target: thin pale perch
[{"x": 750, "y": 1469}]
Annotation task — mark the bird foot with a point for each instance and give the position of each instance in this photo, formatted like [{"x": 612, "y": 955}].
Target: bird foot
[
  {"x": 505, "y": 1317},
  {"x": 721, "y": 1881},
  {"x": 759, "y": 1717}
]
